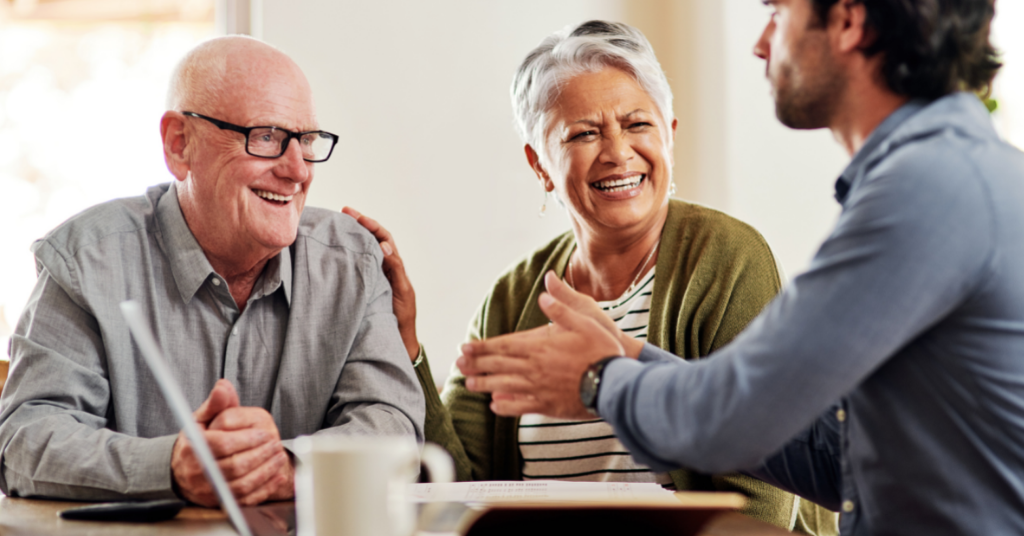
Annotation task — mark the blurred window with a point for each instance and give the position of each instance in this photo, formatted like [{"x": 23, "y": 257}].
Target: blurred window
[
  {"x": 1009, "y": 86},
  {"x": 82, "y": 89}
]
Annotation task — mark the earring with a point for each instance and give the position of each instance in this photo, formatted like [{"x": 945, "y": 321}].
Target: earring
[
  {"x": 672, "y": 189},
  {"x": 543, "y": 205}
]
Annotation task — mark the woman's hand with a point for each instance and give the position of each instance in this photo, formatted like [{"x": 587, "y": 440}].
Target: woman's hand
[
  {"x": 403, "y": 295},
  {"x": 585, "y": 305}
]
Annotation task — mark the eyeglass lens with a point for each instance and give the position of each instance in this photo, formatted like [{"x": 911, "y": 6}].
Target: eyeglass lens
[{"x": 268, "y": 142}]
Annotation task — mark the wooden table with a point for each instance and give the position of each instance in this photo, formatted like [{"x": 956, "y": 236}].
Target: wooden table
[{"x": 29, "y": 517}]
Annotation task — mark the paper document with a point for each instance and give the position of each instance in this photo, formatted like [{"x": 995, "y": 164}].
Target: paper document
[{"x": 540, "y": 490}]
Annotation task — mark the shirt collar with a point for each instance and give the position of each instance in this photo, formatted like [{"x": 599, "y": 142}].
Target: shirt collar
[
  {"x": 189, "y": 265},
  {"x": 276, "y": 274},
  {"x": 846, "y": 181}
]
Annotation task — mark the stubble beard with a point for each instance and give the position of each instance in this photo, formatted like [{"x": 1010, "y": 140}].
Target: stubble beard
[{"x": 806, "y": 97}]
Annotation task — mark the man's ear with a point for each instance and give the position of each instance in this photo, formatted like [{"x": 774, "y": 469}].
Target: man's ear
[
  {"x": 848, "y": 19},
  {"x": 172, "y": 131},
  {"x": 534, "y": 159}
]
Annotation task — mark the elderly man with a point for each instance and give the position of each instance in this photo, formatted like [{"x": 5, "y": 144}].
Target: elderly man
[
  {"x": 888, "y": 380},
  {"x": 279, "y": 318}
]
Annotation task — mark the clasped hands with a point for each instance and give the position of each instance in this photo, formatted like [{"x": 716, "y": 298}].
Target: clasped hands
[
  {"x": 247, "y": 445},
  {"x": 539, "y": 370}
]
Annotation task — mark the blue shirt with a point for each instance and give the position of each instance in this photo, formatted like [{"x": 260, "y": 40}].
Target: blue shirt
[{"x": 897, "y": 359}]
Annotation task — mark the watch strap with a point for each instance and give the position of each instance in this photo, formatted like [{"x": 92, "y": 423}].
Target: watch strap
[{"x": 590, "y": 383}]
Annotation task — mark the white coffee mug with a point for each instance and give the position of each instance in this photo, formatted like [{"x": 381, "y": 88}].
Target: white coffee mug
[{"x": 359, "y": 486}]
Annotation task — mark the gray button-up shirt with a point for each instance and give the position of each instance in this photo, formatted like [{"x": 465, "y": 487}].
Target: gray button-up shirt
[
  {"x": 317, "y": 346},
  {"x": 902, "y": 344}
]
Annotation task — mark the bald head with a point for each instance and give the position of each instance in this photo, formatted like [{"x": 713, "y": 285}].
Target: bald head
[
  {"x": 241, "y": 208},
  {"x": 215, "y": 74}
]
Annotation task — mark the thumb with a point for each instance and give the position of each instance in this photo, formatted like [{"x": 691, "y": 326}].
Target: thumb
[
  {"x": 578, "y": 302},
  {"x": 562, "y": 291},
  {"x": 222, "y": 397},
  {"x": 566, "y": 318}
]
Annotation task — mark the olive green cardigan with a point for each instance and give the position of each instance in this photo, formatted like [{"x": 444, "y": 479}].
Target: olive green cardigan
[{"x": 714, "y": 275}]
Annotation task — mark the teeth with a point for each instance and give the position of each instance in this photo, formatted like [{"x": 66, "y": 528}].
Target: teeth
[
  {"x": 620, "y": 184},
  {"x": 272, "y": 196}
]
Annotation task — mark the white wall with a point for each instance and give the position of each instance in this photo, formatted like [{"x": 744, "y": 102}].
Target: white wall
[
  {"x": 781, "y": 181},
  {"x": 418, "y": 92}
]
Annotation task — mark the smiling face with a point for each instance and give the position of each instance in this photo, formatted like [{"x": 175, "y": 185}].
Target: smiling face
[
  {"x": 806, "y": 80},
  {"x": 241, "y": 207},
  {"x": 608, "y": 153}
]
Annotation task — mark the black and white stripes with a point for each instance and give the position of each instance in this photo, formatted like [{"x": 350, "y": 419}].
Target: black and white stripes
[{"x": 588, "y": 450}]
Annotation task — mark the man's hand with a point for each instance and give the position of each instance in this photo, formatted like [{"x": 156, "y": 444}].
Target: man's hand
[
  {"x": 403, "y": 295},
  {"x": 586, "y": 306},
  {"x": 246, "y": 443},
  {"x": 539, "y": 370}
]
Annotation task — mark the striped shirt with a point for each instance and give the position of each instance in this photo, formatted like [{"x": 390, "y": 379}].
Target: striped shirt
[{"x": 588, "y": 450}]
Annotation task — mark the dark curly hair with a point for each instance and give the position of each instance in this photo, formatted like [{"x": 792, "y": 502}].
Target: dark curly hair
[{"x": 932, "y": 47}]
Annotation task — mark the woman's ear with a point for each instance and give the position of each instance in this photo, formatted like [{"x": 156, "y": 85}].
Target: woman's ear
[
  {"x": 172, "y": 131},
  {"x": 534, "y": 159},
  {"x": 672, "y": 143}
]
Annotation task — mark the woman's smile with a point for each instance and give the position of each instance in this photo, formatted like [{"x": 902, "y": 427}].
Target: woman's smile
[
  {"x": 610, "y": 152},
  {"x": 620, "y": 186}
]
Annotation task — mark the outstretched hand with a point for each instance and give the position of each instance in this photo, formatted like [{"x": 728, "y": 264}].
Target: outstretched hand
[
  {"x": 246, "y": 443},
  {"x": 403, "y": 295},
  {"x": 585, "y": 305},
  {"x": 539, "y": 370}
]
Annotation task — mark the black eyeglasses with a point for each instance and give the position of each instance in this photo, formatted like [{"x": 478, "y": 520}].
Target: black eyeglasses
[{"x": 272, "y": 142}]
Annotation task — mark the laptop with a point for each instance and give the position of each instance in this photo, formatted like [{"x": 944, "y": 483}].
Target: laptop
[{"x": 274, "y": 519}]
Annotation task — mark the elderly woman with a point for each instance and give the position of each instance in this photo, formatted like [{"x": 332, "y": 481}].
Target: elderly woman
[{"x": 595, "y": 112}]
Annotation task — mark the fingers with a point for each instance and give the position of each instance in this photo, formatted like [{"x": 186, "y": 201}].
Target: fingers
[
  {"x": 563, "y": 315},
  {"x": 516, "y": 406},
  {"x": 251, "y": 461},
  {"x": 222, "y": 397},
  {"x": 240, "y": 418},
  {"x": 264, "y": 493},
  {"x": 577, "y": 301},
  {"x": 506, "y": 383},
  {"x": 378, "y": 231},
  {"x": 224, "y": 444},
  {"x": 257, "y": 485},
  {"x": 563, "y": 292},
  {"x": 404, "y": 296},
  {"x": 510, "y": 396},
  {"x": 497, "y": 364},
  {"x": 242, "y": 463},
  {"x": 518, "y": 343}
]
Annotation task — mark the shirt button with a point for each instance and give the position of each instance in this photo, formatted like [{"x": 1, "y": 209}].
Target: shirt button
[
  {"x": 841, "y": 416},
  {"x": 847, "y": 505},
  {"x": 216, "y": 282},
  {"x": 234, "y": 331}
]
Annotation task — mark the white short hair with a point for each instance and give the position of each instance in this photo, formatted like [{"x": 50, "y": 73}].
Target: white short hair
[{"x": 574, "y": 50}]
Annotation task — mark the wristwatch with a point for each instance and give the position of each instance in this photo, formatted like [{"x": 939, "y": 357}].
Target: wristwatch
[{"x": 591, "y": 382}]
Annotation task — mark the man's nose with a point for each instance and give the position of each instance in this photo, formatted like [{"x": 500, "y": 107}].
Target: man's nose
[
  {"x": 291, "y": 165},
  {"x": 761, "y": 47}
]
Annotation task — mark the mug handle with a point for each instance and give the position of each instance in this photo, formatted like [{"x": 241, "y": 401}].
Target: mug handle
[{"x": 438, "y": 463}]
